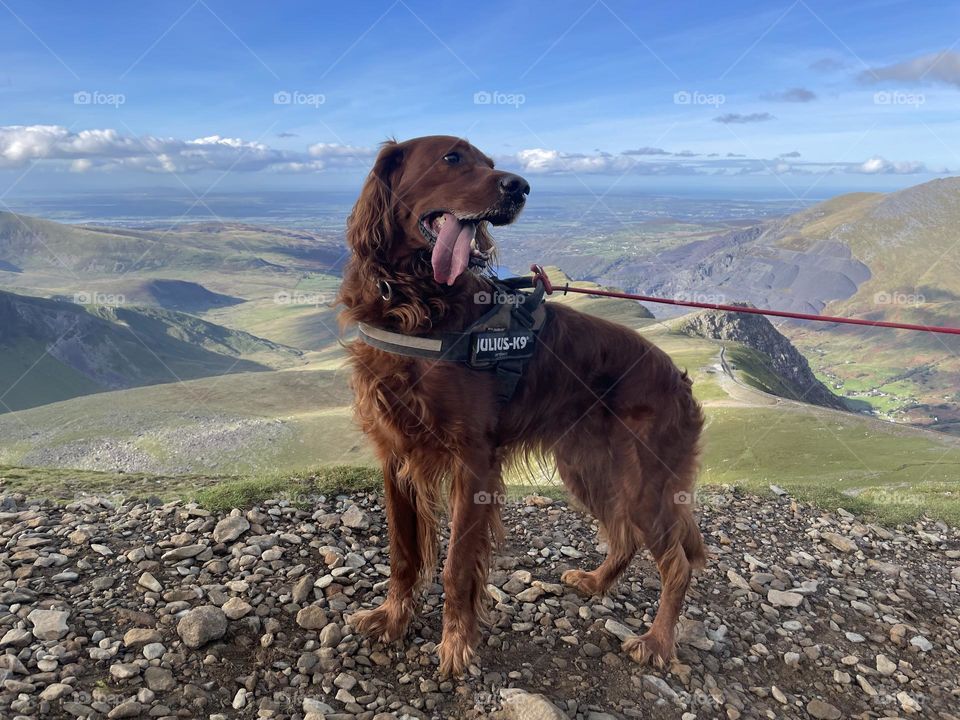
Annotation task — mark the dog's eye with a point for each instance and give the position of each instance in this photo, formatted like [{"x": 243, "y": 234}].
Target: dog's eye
[{"x": 452, "y": 158}]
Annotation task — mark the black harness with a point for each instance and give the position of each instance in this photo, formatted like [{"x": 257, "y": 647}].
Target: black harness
[{"x": 502, "y": 341}]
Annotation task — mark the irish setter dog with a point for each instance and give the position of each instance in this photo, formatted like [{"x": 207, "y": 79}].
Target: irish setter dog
[{"x": 612, "y": 409}]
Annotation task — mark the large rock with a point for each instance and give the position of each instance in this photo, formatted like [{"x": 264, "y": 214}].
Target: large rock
[
  {"x": 230, "y": 528},
  {"x": 822, "y": 710},
  {"x": 202, "y": 625},
  {"x": 840, "y": 542},
  {"x": 49, "y": 624},
  {"x": 521, "y": 705},
  {"x": 312, "y": 617},
  {"x": 159, "y": 679},
  {"x": 784, "y": 598},
  {"x": 354, "y": 517}
]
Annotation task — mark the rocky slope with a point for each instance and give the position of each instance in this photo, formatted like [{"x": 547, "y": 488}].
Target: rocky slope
[
  {"x": 147, "y": 610},
  {"x": 758, "y": 333}
]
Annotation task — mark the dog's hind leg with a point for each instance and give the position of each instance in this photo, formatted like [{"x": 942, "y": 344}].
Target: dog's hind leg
[
  {"x": 412, "y": 527},
  {"x": 599, "y": 481},
  {"x": 670, "y": 532}
]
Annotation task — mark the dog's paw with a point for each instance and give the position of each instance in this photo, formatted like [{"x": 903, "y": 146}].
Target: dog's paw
[
  {"x": 456, "y": 653},
  {"x": 386, "y": 623},
  {"x": 583, "y": 582},
  {"x": 650, "y": 649}
]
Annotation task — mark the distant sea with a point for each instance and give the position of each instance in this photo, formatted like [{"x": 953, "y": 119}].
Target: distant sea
[{"x": 327, "y": 210}]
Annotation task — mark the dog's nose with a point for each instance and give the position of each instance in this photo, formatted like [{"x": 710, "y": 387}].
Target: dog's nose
[{"x": 515, "y": 185}]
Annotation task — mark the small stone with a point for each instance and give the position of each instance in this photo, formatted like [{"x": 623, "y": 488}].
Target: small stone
[
  {"x": 885, "y": 666},
  {"x": 202, "y": 625},
  {"x": 138, "y": 637},
  {"x": 317, "y": 707},
  {"x": 16, "y": 637},
  {"x": 521, "y": 705},
  {"x": 124, "y": 671},
  {"x": 55, "y": 691},
  {"x": 618, "y": 630},
  {"x": 737, "y": 580},
  {"x": 312, "y": 617},
  {"x": 531, "y": 594},
  {"x": 153, "y": 651},
  {"x": 330, "y": 636},
  {"x": 148, "y": 581},
  {"x": 782, "y": 598},
  {"x": 184, "y": 552},
  {"x": 230, "y": 528},
  {"x": 236, "y": 608},
  {"x": 909, "y": 705},
  {"x": 127, "y": 709},
  {"x": 302, "y": 589},
  {"x": 822, "y": 710},
  {"x": 159, "y": 679},
  {"x": 865, "y": 685},
  {"x": 918, "y": 641},
  {"x": 353, "y": 517},
  {"x": 345, "y": 681},
  {"x": 840, "y": 542}
]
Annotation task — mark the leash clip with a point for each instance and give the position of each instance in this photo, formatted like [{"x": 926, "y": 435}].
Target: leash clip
[{"x": 540, "y": 274}]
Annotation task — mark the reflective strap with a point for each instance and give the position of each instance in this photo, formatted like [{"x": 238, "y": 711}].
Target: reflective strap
[{"x": 409, "y": 341}]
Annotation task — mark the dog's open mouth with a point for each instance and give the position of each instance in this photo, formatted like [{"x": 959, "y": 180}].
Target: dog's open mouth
[{"x": 456, "y": 244}]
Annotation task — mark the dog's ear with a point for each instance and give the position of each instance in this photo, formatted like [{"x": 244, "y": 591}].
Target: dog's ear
[{"x": 371, "y": 222}]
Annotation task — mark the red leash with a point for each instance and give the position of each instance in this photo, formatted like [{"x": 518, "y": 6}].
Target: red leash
[{"x": 540, "y": 274}]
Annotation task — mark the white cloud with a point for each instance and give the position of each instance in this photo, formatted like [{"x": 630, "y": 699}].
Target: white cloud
[
  {"x": 881, "y": 166},
  {"x": 109, "y": 149}
]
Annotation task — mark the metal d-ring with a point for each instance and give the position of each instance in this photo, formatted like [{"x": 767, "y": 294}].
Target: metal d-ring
[{"x": 386, "y": 292}]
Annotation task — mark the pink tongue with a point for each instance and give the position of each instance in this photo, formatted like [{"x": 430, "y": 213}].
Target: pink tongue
[{"x": 451, "y": 252}]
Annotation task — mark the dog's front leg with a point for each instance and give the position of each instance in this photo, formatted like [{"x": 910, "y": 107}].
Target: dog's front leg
[
  {"x": 411, "y": 521},
  {"x": 475, "y": 499}
]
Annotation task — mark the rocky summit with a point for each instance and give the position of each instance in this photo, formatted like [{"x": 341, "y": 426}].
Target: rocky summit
[{"x": 141, "y": 609}]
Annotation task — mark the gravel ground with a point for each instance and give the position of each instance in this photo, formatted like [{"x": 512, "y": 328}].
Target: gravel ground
[{"x": 168, "y": 611}]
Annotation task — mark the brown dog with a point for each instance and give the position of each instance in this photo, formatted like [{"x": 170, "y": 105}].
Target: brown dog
[{"x": 612, "y": 409}]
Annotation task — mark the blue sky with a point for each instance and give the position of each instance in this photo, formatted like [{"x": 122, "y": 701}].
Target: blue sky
[{"x": 799, "y": 95}]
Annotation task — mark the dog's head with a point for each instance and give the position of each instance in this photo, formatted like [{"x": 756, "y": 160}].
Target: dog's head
[{"x": 436, "y": 195}]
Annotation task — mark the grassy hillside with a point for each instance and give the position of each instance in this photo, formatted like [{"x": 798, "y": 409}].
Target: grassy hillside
[
  {"x": 266, "y": 427},
  {"x": 909, "y": 241},
  {"x": 52, "y": 350},
  {"x": 34, "y": 244}
]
